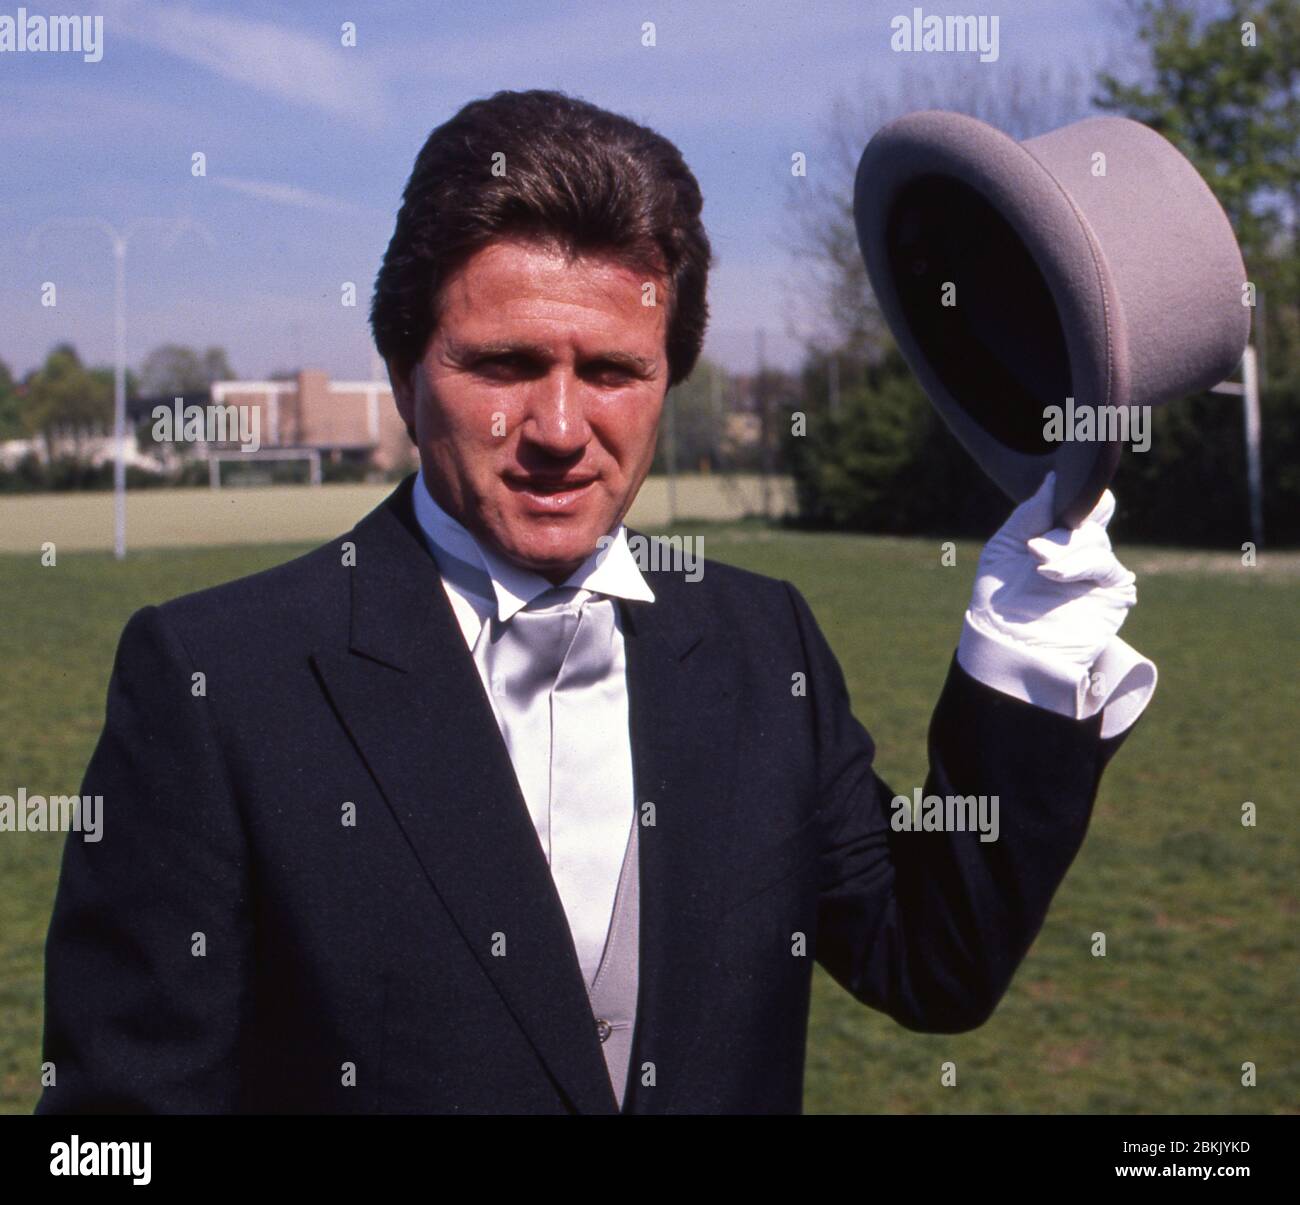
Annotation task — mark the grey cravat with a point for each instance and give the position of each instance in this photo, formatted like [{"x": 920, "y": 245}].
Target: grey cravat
[{"x": 553, "y": 683}]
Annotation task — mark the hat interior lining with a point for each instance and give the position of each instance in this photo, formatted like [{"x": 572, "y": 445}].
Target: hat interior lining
[{"x": 999, "y": 351}]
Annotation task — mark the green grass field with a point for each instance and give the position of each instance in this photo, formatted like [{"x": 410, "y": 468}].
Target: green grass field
[{"x": 1201, "y": 914}]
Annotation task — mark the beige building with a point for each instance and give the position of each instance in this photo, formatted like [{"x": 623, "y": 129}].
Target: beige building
[{"x": 342, "y": 420}]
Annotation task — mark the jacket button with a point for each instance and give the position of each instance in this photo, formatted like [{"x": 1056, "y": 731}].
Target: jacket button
[{"x": 603, "y": 1030}]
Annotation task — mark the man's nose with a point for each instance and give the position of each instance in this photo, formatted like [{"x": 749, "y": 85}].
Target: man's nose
[{"x": 556, "y": 420}]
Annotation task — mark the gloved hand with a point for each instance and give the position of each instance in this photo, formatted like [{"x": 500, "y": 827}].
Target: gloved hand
[
  {"x": 1060, "y": 591},
  {"x": 1044, "y": 615}
]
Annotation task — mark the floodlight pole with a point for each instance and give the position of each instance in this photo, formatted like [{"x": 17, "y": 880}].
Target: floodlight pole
[
  {"x": 1254, "y": 472},
  {"x": 119, "y": 241},
  {"x": 1248, "y": 390}
]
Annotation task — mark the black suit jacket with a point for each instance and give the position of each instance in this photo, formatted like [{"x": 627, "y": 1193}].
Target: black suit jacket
[{"x": 232, "y": 945}]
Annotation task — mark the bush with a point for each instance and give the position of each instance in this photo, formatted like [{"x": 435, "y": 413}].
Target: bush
[{"x": 887, "y": 463}]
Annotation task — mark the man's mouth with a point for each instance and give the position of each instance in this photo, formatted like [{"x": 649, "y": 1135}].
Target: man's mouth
[{"x": 551, "y": 493}]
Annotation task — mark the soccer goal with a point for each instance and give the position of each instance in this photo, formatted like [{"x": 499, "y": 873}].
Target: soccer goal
[{"x": 310, "y": 455}]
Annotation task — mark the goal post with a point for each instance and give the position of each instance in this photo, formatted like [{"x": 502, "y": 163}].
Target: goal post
[{"x": 310, "y": 455}]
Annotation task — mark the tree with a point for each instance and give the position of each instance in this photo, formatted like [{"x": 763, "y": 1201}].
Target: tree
[
  {"x": 63, "y": 397},
  {"x": 11, "y": 421},
  {"x": 173, "y": 369},
  {"x": 1222, "y": 82},
  {"x": 882, "y": 460},
  {"x": 831, "y": 303},
  {"x": 1223, "y": 85}
]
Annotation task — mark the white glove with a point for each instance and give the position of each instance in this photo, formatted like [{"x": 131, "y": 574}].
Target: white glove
[{"x": 1045, "y": 612}]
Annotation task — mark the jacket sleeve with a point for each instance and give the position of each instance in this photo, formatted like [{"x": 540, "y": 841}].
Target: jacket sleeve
[
  {"x": 149, "y": 941},
  {"x": 929, "y": 927}
]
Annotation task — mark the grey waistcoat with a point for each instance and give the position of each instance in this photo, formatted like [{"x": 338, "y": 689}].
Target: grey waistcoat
[{"x": 613, "y": 993}]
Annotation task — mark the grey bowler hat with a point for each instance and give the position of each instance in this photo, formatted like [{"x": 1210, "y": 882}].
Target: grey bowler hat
[{"x": 1091, "y": 263}]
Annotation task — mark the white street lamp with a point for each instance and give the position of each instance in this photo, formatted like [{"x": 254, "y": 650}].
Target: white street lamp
[{"x": 119, "y": 241}]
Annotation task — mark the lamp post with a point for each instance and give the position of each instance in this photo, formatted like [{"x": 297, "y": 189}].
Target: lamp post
[
  {"x": 1248, "y": 390},
  {"x": 119, "y": 240}
]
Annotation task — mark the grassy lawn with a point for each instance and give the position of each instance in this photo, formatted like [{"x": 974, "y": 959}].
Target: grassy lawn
[{"x": 1200, "y": 913}]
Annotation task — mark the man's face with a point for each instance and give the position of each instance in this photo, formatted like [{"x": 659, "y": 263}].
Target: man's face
[{"x": 537, "y": 401}]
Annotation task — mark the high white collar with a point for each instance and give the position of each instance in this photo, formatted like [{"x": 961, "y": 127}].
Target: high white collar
[{"x": 611, "y": 570}]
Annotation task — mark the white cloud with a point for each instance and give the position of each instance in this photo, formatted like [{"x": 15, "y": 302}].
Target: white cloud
[
  {"x": 304, "y": 70},
  {"x": 288, "y": 194}
]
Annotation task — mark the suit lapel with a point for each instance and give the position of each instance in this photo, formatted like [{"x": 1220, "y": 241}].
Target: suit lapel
[
  {"x": 408, "y": 693},
  {"x": 682, "y": 699}
]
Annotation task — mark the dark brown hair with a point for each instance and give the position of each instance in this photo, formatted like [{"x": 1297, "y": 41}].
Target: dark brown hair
[{"x": 574, "y": 174}]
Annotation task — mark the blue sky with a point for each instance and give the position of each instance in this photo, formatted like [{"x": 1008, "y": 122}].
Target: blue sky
[{"x": 309, "y": 143}]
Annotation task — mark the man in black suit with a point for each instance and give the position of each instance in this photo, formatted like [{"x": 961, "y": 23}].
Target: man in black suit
[{"x": 367, "y": 850}]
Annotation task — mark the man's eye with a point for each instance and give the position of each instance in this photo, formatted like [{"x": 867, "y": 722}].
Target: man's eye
[
  {"x": 503, "y": 368},
  {"x": 604, "y": 372}
]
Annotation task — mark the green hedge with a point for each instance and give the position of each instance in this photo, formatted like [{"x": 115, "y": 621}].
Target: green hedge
[{"x": 884, "y": 462}]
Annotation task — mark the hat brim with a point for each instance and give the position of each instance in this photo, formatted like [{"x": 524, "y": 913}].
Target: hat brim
[{"x": 974, "y": 362}]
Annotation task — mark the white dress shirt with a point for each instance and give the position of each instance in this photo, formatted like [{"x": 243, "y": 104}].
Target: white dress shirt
[{"x": 480, "y": 585}]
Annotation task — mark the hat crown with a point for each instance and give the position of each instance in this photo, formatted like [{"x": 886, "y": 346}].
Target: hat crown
[{"x": 1175, "y": 268}]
